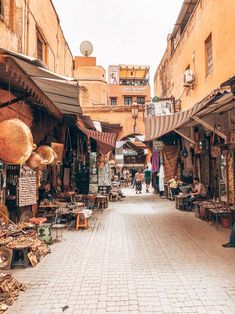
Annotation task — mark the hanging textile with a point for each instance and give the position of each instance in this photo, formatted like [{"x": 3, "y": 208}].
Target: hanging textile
[
  {"x": 188, "y": 165},
  {"x": 171, "y": 164},
  {"x": 155, "y": 161},
  {"x": 161, "y": 176}
]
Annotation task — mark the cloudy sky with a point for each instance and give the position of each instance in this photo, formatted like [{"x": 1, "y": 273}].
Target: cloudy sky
[{"x": 121, "y": 31}]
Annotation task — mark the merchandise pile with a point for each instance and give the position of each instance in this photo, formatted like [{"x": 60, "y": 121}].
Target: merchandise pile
[
  {"x": 36, "y": 247},
  {"x": 13, "y": 237},
  {"x": 9, "y": 291}
]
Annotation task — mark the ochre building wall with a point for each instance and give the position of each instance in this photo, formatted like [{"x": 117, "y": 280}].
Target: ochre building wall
[
  {"x": 92, "y": 80},
  {"x": 116, "y": 115},
  {"x": 120, "y": 91},
  {"x": 215, "y": 17},
  {"x": 21, "y": 21}
]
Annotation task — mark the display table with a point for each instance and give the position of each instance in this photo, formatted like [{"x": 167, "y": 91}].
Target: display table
[
  {"x": 47, "y": 211},
  {"x": 214, "y": 212},
  {"x": 218, "y": 215}
]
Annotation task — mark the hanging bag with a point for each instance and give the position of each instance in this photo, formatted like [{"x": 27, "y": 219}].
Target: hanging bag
[{"x": 215, "y": 150}]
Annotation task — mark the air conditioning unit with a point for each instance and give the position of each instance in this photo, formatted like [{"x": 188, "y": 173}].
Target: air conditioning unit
[{"x": 189, "y": 78}]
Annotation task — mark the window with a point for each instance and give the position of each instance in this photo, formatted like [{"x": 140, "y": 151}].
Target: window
[
  {"x": 140, "y": 100},
  {"x": 113, "y": 101},
  {"x": 1, "y": 8},
  {"x": 209, "y": 55},
  {"x": 41, "y": 48},
  {"x": 128, "y": 100}
]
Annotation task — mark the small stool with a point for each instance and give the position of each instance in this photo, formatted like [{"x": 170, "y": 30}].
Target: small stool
[
  {"x": 24, "y": 257},
  {"x": 81, "y": 221}
]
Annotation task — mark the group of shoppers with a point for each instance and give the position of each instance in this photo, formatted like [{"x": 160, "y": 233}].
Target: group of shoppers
[{"x": 137, "y": 178}]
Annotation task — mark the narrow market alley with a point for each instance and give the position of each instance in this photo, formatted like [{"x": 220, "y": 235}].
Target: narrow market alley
[{"x": 140, "y": 256}]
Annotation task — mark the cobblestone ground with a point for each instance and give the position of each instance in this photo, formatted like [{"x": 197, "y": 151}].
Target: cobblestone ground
[{"x": 139, "y": 256}]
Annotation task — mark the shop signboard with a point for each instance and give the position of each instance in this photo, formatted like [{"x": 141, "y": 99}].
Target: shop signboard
[
  {"x": 160, "y": 107},
  {"x": 158, "y": 145}
]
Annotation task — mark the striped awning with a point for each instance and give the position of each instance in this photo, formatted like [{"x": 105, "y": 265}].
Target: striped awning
[
  {"x": 157, "y": 126},
  {"x": 105, "y": 140}
]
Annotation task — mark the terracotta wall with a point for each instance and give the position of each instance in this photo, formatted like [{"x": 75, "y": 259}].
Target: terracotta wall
[
  {"x": 19, "y": 110},
  {"x": 210, "y": 17}
]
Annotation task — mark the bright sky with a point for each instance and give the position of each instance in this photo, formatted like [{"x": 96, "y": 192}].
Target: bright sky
[{"x": 121, "y": 31}]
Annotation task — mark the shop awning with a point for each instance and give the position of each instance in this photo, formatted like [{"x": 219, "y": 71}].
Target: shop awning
[
  {"x": 105, "y": 140},
  {"x": 14, "y": 78},
  {"x": 58, "y": 93},
  {"x": 157, "y": 126},
  {"x": 215, "y": 113}
]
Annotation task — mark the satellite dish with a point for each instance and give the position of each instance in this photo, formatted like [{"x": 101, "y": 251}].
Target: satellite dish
[{"x": 86, "y": 48}]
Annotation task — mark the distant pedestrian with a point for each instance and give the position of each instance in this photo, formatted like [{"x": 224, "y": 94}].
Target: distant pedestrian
[
  {"x": 126, "y": 176},
  {"x": 147, "y": 176},
  {"x": 133, "y": 172},
  {"x": 138, "y": 181}
]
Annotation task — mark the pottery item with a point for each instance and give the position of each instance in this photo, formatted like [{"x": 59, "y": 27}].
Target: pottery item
[
  {"x": 35, "y": 161},
  {"x": 46, "y": 153},
  {"x": 16, "y": 141}
]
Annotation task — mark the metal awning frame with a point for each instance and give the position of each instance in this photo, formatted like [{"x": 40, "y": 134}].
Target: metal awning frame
[{"x": 218, "y": 106}]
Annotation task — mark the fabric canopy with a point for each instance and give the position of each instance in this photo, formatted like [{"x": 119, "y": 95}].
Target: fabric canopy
[
  {"x": 157, "y": 126},
  {"x": 58, "y": 93},
  {"x": 105, "y": 140},
  {"x": 15, "y": 79}
]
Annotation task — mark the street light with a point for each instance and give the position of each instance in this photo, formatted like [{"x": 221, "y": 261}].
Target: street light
[{"x": 134, "y": 112}]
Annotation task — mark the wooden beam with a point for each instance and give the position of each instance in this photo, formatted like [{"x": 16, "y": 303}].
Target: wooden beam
[
  {"x": 210, "y": 127},
  {"x": 185, "y": 135},
  {"x": 8, "y": 103}
]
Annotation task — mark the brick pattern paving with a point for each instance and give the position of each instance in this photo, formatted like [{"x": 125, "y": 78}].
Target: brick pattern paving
[{"x": 139, "y": 256}]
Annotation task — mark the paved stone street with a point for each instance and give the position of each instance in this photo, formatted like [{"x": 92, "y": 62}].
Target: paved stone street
[{"x": 139, "y": 256}]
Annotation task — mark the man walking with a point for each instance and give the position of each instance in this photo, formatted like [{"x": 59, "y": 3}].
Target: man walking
[
  {"x": 138, "y": 181},
  {"x": 147, "y": 176}
]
